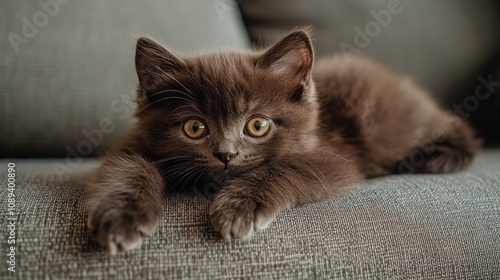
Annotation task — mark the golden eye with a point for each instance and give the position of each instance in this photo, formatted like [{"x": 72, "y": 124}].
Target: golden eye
[
  {"x": 195, "y": 129},
  {"x": 257, "y": 126}
]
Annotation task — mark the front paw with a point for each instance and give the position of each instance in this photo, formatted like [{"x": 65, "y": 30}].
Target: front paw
[
  {"x": 121, "y": 228},
  {"x": 237, "y": 216}
]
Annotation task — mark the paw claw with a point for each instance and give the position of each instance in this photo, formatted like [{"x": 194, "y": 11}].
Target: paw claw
[
  {"x": 120, "y": 231},
  {"x": 262, "y": 222},
  {"x": 112, "y": 248}
]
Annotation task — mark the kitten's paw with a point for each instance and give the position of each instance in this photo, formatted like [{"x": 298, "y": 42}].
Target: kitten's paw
[
  {"x": 120, "y": 229},
  {"x": 235, "y": 216}
]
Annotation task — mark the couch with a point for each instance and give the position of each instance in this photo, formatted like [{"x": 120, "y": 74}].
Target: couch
[{"x": 66, "y": 89}]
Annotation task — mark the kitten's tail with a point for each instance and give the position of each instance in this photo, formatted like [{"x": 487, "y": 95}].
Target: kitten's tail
[{"x": 453, "y": 151}]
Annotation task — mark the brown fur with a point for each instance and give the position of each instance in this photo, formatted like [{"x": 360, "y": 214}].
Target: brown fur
[{"x": 331, "y": 126}]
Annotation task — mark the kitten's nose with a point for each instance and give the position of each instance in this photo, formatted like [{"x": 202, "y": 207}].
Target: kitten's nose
[{"x": 225, "y": 157}]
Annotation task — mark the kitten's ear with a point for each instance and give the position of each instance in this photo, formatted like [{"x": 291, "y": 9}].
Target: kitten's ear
[
  {"x": 292, "y": 56},
  {"x": 153, "y": 61}
]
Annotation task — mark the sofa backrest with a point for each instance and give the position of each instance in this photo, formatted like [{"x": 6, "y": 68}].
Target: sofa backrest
[
  {"x": 446, "y": 46},
  {"x": 67, "y": 67}
]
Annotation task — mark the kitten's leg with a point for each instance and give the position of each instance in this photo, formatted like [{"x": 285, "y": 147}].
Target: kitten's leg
[
  {"x": 125, "y": 202},
  {"x": 252, "y": 201},
  {"x": 453, "y": 151}
]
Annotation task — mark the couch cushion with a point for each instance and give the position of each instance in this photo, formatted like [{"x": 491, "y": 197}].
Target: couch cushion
[
  {"x": 67, "y": 67},
  {"x": 403, "y": 227}
]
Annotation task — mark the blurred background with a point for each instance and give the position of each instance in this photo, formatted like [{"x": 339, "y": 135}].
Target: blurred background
[{"x": 67, "y": 76}]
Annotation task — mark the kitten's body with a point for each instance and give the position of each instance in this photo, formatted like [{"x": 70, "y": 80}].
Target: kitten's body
[
  {"x": 359, "y": 120},
  {"x": 392, "y": 125}
]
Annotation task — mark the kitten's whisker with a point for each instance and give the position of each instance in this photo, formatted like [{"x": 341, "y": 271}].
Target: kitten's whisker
[
  {"x": 162, "y": 99},
  {"x": 172, "y": 158},
  {"x": 181, "y": 156},
  {"x": 173, "y": 78},
  {"x": 172, "y": 90},
  {"x": 188, "y": 177},
  {"x": 177, "y": 81},
  {"x": 185, "y": 176},
  {"x": 180, "y": 107},
  {"x": 177, "y": 167},
  {"x": 308, "y": 168},
  {"x": 183, "y": 166},
  {"x": 332, "y": 153},
  {"x": 200, "y": 173},
  {"x": 188, "y": 95}
]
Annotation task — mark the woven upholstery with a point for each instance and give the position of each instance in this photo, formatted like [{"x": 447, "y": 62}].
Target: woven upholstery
[{"x": 412, "y": 226}]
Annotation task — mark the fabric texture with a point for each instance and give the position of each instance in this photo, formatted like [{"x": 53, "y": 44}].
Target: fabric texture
[
  {"x": 397, "y": 227},
  {"x": 67, "y": 74}
]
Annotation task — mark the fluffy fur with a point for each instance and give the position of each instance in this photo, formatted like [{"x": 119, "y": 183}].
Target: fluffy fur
[{"x": 331, "y": 126}]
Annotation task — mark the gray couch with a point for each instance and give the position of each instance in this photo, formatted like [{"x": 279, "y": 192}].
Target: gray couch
[{"x": 68, "y": 77}]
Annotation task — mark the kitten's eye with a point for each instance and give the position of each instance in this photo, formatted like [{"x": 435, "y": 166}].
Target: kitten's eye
[
  {"x": 257, "y": 126},
  {"x": 195, "y": 129}
]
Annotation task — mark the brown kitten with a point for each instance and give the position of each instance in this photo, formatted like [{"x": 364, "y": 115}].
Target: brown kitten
[{"x": 270, "y": 130}]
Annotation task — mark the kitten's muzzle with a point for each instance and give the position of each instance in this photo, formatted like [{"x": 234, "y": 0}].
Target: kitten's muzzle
[{"x": 225, "y": 157}]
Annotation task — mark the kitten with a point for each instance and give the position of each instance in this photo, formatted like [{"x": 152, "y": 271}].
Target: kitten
[{"x": 271, "y": 130}]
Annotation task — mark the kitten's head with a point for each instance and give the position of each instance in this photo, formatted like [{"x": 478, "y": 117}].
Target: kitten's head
[{"x": 228, "y": 111}]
